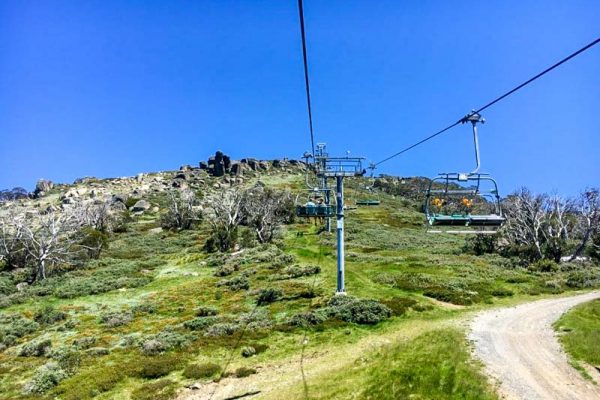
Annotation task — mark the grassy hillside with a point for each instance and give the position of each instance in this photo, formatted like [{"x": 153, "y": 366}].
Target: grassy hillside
[
  {"x": 580, "y": 334},
  {"x": 156, "y": 313}
]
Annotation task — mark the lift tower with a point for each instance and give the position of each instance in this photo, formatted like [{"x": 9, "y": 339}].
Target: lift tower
[{"x": 339, "y": 168}]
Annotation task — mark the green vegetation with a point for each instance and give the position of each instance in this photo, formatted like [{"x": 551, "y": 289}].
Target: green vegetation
[
  {"x": 580, "y": 334},
  {"x": 161, "y": 308}
]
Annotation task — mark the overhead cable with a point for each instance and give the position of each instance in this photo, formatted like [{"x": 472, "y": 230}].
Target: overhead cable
[
  {"x": 306, "y": 80},
  {"x": 491, "y": 103}
]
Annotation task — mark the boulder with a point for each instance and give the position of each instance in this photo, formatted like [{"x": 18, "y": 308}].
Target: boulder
[
  {"x": 119, "y": 198},
  {"x": 203, "y": 165},
  {"x": 22, "y": 286},
  {"x": 141, "y": 205},
  {"x": 42, "y": 187}
]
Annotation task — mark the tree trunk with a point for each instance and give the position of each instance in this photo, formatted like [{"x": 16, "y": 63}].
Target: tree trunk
[{"x": 581, "y": 246}]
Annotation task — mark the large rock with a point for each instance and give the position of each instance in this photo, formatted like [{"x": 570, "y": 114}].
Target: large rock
[
  {"x": 141, "y": 206},
  {"x": 42, "y": 187}
]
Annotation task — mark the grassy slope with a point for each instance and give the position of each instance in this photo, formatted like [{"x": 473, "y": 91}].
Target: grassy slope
[
  {"x": 389, "y": 255},
  {"x": 580, "y": 333}
]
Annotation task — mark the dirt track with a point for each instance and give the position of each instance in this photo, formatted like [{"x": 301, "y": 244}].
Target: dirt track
[{"x": 520, "y": 350}]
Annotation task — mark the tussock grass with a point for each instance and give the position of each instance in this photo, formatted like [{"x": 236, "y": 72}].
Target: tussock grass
[{"x": 580, "y": 332}]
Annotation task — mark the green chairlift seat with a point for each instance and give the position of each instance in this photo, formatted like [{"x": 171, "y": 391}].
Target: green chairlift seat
[
  {"x": 368, "y": 202},
  {"x": 491, "y": 220},
  {"x": 315, "y": 211}
]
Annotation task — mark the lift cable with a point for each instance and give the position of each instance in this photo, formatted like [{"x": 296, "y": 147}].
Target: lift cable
[
  {"x": 491, "y": 103},
  {"x": 306, "y": 80}
]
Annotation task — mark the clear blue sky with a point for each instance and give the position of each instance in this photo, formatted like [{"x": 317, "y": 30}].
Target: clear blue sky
[{"x": 113, "y": 88}]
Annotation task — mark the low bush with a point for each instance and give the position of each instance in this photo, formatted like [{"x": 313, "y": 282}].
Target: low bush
[
  {"x": 200, "y": 323},
  {"x": 359, "y": 311},
  {"x": 116, "y": 318},
  {"x": 13, "y": 327},
  {"x": 308, "y": 318},
  {"x": 36, "y": 348},
  {"x": 399, "y": 305},
  {"x": 6, "y": 286},
  {"x": 163, "y": 389},
  {"x": 236, "y": 284},
  {"x": 164, "y": 341},
  {"x": 48, "y": 315},
  {"x": 67, "y": 358},
  {"x": 248, "y": 351},
  {"x": 456, "y": 296},
  {"x": 582, "y": 279},
  {"x": 297, "y": 271},
  {"x": 85, "y": 342},
  {"x": 200, "y": 371},
  {"x": 206, "y": 311},
  {"x": 225, "y": 270},
  {"x": 545, "y": 266},
  {"x": 144, "y": 308},
  {"x": 45, "y": 378},
  {"x": 98, "y": 351},
  {"x": 157, "y": 367},
  {"x": 222, "y": 329},
  {"x": 502, "y": 292},
  {"x": 243, "y": 372},
  {"x": 267, "y": 296}
]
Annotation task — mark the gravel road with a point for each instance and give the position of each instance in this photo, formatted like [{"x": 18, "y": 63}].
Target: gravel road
[{"x": 521, "y": 352}]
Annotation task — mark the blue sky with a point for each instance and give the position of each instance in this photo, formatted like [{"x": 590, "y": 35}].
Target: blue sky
[{"x": 113, "y": 88}]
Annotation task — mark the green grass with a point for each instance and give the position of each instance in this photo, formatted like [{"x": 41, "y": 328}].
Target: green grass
[
  {"x": 580, "y": 333},
  {"x": 163, "y": 278},
  {"x": 435, "y": 364}
]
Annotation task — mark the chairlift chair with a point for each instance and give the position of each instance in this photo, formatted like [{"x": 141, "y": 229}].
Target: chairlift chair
[
  {"x": 465, "y": 199},
  {"x": 371, "y": 198},
  {"x": 315, "y": 206}
]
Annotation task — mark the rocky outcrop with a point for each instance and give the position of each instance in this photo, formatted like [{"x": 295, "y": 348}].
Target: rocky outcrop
[{"x": 42, "y": 187}]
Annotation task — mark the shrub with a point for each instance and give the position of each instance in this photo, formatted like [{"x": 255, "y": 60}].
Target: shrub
[
  {"x": 224, "y": 270},
  {"x": 243, "y": 372},
  {"x": 98, "y": 351},
  {"x": 145, "y": 308},
  {"x": 157, "y": 367},
  {"x": 222, "y": 329},
  {"x": 480, "y": 244},
  {"x": 13, "y": 327},
  {"x": 267, "y": 296},
  {"x": 359, "y": 311},
  {"x": 85, "y": 342},
  {"x": 36, "y": 348},
  {"x": 163, "y": 389},
  {"x": 236, "y": 284},
  {"x": 309, "y": 318},
  {"x": 453, "y": 295},
  {"x": 200, "y": 323},
  {"x": 582, "y": 279},
  {"x": 93, "y": 241},
  {"x": 164, "y": 341},
  {"x": 296, "y": 271},
  {"x": 6, "y": 285},
  {"x": 49, "y": 315},
  {"x": 544, "y": 265},
  {"x": 502, "y": 292},
  {"x": 67, "y": 358},
  {"x": 45, "y": 378},
  {"x": 199, "y": 371},
  {"x": 399, "y": 305},
  {"x": 116, "y": 318},
  {"x": 206, "y": 311},
  {"x": 248, "y": 351}
]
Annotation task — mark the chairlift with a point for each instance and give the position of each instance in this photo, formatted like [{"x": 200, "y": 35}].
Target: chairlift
[
  {"x": 370, "y": 197},
  {"x": 314, "y": 204},
  {"x": 465, "y": 199}
]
